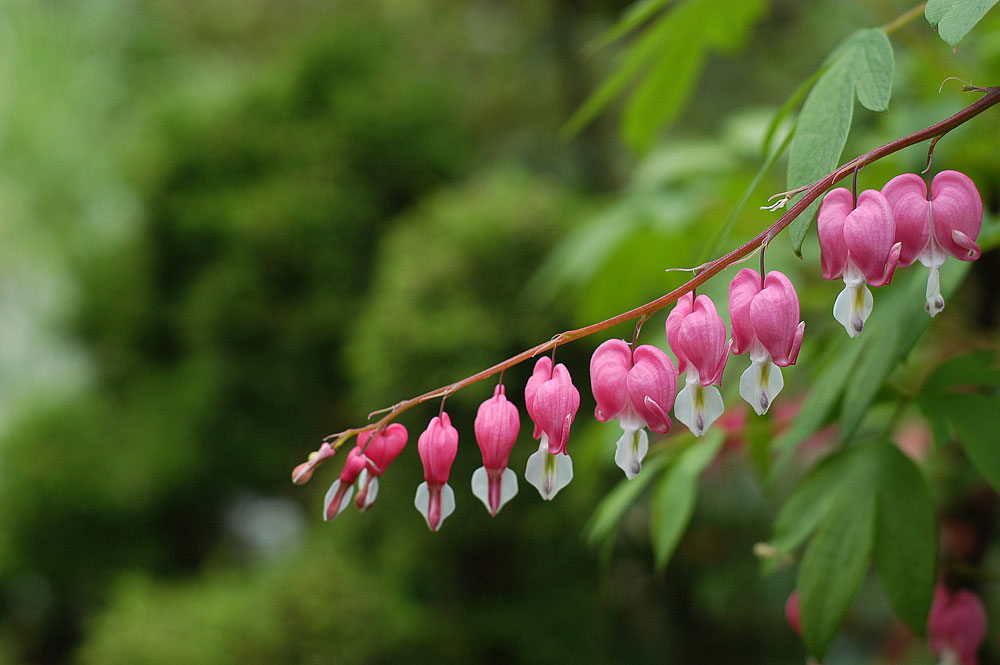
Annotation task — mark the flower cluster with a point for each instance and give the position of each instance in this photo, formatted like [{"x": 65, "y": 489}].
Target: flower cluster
[
  {"x": 862, "y": 240},
  {"x": 866, "y": 239}
]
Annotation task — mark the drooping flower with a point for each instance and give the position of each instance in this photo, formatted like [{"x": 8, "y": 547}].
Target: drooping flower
[
  {"x": 636, "y": 387},
  {"x": 552, "y": 402},
  {"x": 766, "y": 325},
  {"x": 859, "y": 244},
  {"x": 380, "y": 450},
  {"x": 932, "y": 229},
  {"x": 497, "y": 425},
  {"x": 339, "y": 495},
  {"x": 697, "y": 336},
  {"x": 956, "y": 625},
  {"x": 438, "y": 446}
]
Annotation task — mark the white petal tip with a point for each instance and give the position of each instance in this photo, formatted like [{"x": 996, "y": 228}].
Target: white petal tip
[
  {"x": 630, "y": 450},
  {"x": 760, "y": 384},
  {"x": 336, "y": 500},
  {"x": 698, "y": 406},
  {"x": 548, "y": 473}
]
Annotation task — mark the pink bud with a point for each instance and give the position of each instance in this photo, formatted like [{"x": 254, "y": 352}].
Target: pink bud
[
  {"x": 303, "y": 472},
  {"x": 957, "y": 624},
  {"x": 552, "y": 402},
  {"x": 497, "y": 426},
  {"x": 438, "y": 446},
  {"x": 697, "y": 336},
  {"x": 792, "y": 612},
  {"x": 862, "y": 236},
  {"x": 354, "y": 465}
]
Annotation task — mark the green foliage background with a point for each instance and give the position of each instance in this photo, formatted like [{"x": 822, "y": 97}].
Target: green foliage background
[{"x": 230, "y": 228}]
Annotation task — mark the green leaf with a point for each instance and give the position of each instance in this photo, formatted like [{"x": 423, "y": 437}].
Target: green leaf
[
  {"x": 834, "y": 564},
  {"x": 976, "y": 370},
  {"x": 862, "y": 63},
  {"x": 873, "y": 63},
  {"x": 790, "y": 105},
  {"x": 673, "y": 502},
  {"x": 905, "y": 537},
  {"x": 974, "y": 418},
  {"x": 820, "y": 134},
  {"x": 610, "y": 510},
  {"x": 664, "y": 92},
  {"x": 636, "y": 15},
  {"x": 827, "y": 388},
  {"x": 953, "y": 19},
  {"x": 896, "y": 324}
]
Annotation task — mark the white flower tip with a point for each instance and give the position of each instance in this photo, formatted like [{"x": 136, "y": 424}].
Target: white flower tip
[
  {"x": 935, "y": 301},
  {"x": 698, "y": 406},
  {"x": 548, "y": 473},
  {"x": 760, "y": 384},
  {"x": 852, "y": 308},
  {"x": 435, "y": 504},
  {"x": 494, "y": 496},
  {"x": 338, "y": 497},
  {"x": 367, "y": 492},
  {"x": 631, "y": 449}
]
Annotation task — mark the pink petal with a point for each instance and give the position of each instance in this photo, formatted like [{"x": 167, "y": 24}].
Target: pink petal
[
  {"x": 833, "y": 212},
  {"x": 957, "y": 622},
  {"x": 438, "y": 446},
  {"x": 609, "y": 366},
  {"x": 869, "y": 233},
  {"x": 356, "y": 461},
  {"x": 677, "y": 315},
  {"x": 497, "y": 426},
  {"x": 702, "y": 340},
  {"x": 384, "y": 447},
  {"x": 652, "y": 386},
  {"x": 774, "y": 314},
  {"x": 958, "y": 207},
  {"x": 743, "y": 288},
  {"x": 556, "y": 403},
  {"x": 539, "y": 375},
  {"x": 911, "y": 211}
]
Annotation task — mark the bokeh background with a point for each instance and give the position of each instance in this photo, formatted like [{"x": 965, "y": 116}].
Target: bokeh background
[{"x": 229, "y": 228}]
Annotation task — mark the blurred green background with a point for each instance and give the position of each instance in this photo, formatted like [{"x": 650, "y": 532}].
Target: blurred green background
[{"x": 229, "y": 228}]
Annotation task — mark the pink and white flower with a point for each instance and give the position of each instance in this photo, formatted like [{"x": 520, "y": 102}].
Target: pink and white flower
[
  {"x": 636, "y": 387},
  {"x": 552, "y": 402},
  {"x": 956, "y": 626},
  {"x": 497, "y": 425},
  {"x": 858, "y": 243},
  {"x": 379, "y": 450},
  {"x": 932, "y": 229},
  {"x": 766, "y": 325},
  {"x": 437, "y": 446},
  {"x": 697, "y": 336},
  {"x": 339, "y": 495}
]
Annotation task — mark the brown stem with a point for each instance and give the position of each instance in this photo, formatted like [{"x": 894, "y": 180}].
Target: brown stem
[{"x": 709, "y": 270}]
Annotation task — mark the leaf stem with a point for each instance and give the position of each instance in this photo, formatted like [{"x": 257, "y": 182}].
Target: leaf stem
[
  {"x": 903, "y": 19},
  {"x": 709, "y": 270}
]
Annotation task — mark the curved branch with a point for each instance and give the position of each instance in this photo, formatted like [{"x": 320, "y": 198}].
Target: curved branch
[{"x": 812, "y": 192}]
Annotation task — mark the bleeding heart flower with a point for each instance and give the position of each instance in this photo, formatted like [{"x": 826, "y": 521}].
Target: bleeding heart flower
[
  {"x": 637, "y": 388},
  {"x": 380, "y": 450},
  {"x": 766, "y": 325},
  {"x": 339, "y": 495},
  {"x": 857, "y": 243},
  {"x": 956, "y": 625},
  {"x": 697, "y": 336},
  {"x": 932, "y": 229},
  {"x": 437, "y": 446},
  {"x": 792, "y": 612},
  {"x": 303, "y": 472},
  {"x": 552, "y": 402},
  {"x": 497, "y": 425}
]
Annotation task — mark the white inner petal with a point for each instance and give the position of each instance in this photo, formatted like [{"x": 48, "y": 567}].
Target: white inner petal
[
  {"x": 698, "y": 406},
  {"x": 548, "y": 473},
  {"x": 331, "y": 496},
  {"x": 852, "y": 308},
  {"x": 935, "y": 301},
  {"x": 630, "y": 451},
  {"x": 760, "y": 384},
  {"x": 372, "y": 492}
]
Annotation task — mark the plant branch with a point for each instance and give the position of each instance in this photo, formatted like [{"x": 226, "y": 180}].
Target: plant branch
[{"x": 709, "y": 270}]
